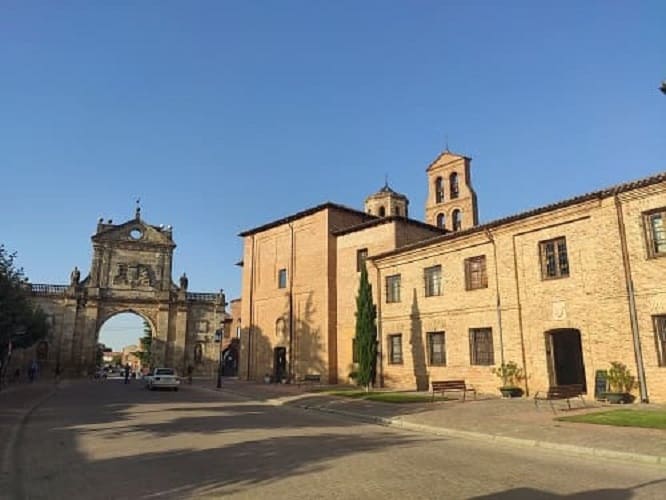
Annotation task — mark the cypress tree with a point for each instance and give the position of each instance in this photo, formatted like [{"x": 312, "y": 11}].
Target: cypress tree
[{"x": 366, "y": 332}]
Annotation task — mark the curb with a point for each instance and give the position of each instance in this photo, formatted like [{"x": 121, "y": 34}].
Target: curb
[
  {"x": 570, "y": 449},
  {"x": 507, "y": 440}
]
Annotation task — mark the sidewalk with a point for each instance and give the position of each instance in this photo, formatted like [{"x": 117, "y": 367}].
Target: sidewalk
[{"x": 514, "y": 422}]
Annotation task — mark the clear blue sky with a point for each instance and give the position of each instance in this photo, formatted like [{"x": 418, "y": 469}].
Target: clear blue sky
[{"x": 222, "y": 116}]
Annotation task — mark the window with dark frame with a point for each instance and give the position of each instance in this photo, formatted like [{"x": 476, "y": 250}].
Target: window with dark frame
[
  {"x": 282, "y": 278},
  {"x": 361, "y": 256},
  {"x": 655, "y": 224},
  {"x": 441, "y": 222},
  {"x": 395, "y": 349},
  {"x": 432, "y": 276},
  {"x": 481, "y": 346},
  {"x": 554, "y": 258},
  {"x": 475, "y": 273},
  {"x": 437, "y": 349},
  {"x": 660, "y": 338},
  {"x": 393, "y": 288}
]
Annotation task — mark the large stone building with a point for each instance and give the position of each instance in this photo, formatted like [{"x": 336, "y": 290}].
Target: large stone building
[
  {"x": 562, "y": 290},
  {"x": 131, "y": 271}
]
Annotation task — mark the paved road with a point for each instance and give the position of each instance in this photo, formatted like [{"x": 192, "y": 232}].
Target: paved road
[{"x": 108, "y": 440}]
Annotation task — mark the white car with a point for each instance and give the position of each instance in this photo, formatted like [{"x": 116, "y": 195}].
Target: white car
[{"x": 162, "y": 378}]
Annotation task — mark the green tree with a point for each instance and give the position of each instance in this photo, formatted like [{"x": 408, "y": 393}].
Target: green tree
[
  {"x": 21, "y": 322},
  {"x": 366, "y": 332},
  {"x": 145, "y": 355}
]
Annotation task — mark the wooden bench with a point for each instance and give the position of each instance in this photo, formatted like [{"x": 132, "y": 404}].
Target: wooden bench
[
  {"x": 560, "y": 392},
  {"x": 310, "y": 378},
  {"x": 443, "y": 386}
]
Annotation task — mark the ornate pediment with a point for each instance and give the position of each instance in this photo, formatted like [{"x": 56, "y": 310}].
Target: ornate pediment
[
  {"x": 133, "y": 233},
  {"x": 133, "y": 255}
]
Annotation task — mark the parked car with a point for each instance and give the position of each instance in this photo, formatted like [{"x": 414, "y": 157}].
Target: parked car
[{"x": 162, "y": 378}]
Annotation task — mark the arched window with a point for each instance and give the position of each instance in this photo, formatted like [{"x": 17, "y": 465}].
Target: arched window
[
  {"x": 370, "y": 211},
  {"x": 453, "y": 185},
  {"x": 382, "y": 211},
  {"x": 441, "y": 221},
  {"x": 456, "y": 217},
  {"x": 439, "y": 190},
  {"x": 280, "y": 328},
  {"x": 396, "y": 210}
]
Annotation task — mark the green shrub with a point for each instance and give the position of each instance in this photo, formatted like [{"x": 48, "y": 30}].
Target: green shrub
[
  {"x": 620, "y": 378},
  {"x": 509, "y": 373}
]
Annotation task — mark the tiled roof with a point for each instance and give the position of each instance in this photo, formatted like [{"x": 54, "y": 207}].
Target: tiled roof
[
  {"x": 604, "y": 193},
  {"x": 385, "y": 220},
  {"x": 305, "y": 213}
]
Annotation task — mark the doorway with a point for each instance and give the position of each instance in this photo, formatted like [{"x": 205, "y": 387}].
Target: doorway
[
  {"x": 230, "y": 360},
  {"x": 279, "y": 363},
  {"x": 565, "y": 358}
]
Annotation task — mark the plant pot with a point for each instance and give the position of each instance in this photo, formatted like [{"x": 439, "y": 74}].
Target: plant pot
[
  {"x": 267, "y": 379},
  {"x": 618, "y": 397},
  {"x": 511, "y": 392}
]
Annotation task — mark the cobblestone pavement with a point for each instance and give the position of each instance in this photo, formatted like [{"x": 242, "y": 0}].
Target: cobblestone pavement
[{"x": 104, "y": 439}]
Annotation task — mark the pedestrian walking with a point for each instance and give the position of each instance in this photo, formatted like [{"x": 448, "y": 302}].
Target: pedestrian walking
[
  {"x": 127, "y": 373},
  {"x": 32, "y": 370}
]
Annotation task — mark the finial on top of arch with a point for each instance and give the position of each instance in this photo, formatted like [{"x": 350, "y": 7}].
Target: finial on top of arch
[{"x": 137, "y": 213}]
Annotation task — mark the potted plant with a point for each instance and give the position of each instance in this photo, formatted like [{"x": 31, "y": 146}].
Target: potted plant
[
  {"x": 620, "y": 383},
  {"x": 267, "y": 378},
  {"x": 510, "y": 374}
]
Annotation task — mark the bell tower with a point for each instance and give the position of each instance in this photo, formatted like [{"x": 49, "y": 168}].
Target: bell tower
[
  {"x": 386, "y": 202},
  {"x": 451, "y": 202}
]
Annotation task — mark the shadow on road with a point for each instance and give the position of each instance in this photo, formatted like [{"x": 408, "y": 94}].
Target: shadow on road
[{"x": 172, "y": 445}]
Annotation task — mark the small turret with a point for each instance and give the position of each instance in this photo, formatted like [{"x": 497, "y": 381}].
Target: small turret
[{"x": 387, "y": 202}]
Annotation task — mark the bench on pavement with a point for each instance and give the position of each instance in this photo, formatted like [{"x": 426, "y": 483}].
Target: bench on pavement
[
  {"x": 442, "y": 386},
  {"x": 556, "y": 392},
  {"x": 310, "y": 378}
]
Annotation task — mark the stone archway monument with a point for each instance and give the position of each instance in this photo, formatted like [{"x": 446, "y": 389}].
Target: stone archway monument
[{"x": 131, "y": 271}]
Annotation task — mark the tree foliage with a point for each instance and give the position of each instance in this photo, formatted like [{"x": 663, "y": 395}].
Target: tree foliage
[
  {"x": 21, "y": 322},
  {"x": 145, "y": 355},
  {"x": 366, "y": 332}
]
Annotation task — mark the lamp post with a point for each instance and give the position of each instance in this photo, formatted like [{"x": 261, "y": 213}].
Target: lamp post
[
  {"x": 219, "y": 336},
  {"x": 219, "y": 369}
]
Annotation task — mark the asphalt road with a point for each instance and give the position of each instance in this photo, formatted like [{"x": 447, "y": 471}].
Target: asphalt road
[{"x": 107, "y": 440}]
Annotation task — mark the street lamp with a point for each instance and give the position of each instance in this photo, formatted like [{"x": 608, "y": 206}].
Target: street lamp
[{"x": 218, "y": 335}]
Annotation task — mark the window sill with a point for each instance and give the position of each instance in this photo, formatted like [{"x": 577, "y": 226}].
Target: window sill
[{"x": 554, "y": 278}]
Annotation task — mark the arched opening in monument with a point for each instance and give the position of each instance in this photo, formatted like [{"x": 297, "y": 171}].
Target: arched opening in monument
[{"x": 124, "y": 339}]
